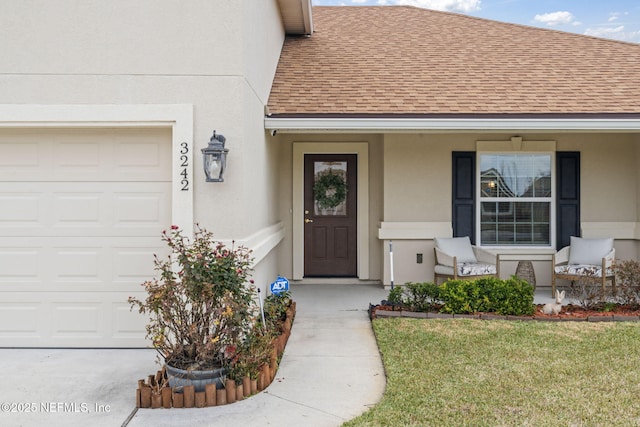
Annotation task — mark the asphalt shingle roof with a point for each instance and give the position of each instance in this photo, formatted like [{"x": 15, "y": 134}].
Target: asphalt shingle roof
[{"x": 402, "y": 60}]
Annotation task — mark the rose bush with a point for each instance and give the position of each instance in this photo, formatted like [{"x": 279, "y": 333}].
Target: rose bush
[{"x": 201, "y": 307}]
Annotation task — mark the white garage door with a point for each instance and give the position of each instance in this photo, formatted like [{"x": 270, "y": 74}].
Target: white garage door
[{"x": 81, "y": 212}]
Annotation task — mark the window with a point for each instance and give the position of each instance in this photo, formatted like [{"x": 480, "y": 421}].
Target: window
[{"x": 516, "y": 200}]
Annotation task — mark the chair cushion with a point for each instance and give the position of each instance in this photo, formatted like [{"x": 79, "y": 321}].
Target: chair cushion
[
  {"x": 589, "y": 251},
  {"x": 468, "y": 269},
  {"x": 582, "y": 270},
  {"x": 459, "y": 247}
]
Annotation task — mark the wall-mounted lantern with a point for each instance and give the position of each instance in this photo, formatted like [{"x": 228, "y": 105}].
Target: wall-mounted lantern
[{"x": 215, "y": 158}]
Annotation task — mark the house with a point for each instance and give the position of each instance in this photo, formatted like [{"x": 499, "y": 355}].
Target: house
[
  {"x": 433, "y": 104},
  {"x": 347, "y": 128}
]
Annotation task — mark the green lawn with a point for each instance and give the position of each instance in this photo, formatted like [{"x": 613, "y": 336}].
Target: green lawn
[{"x": 506, "y": 373}]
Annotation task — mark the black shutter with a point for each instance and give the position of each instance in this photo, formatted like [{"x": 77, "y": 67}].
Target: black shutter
[
  {"x": 567, "y": 197},
  {"x": 463, "y": 208}
]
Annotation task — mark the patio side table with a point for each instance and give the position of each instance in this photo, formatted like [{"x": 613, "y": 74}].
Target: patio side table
[{"x": 525, "y": 271}]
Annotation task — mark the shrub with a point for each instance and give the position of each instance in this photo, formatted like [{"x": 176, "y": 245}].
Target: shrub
[
  {"x": 421, "y": 296},
  {"x": 628, "y": 282},
  {"x": 462, "y": 297},
  {"x": 588, "y": 292},
  {"x": 275, "y": 310},
  {"x": 254, "y": 351},
  {"x": 512, "y": 296},
  {"x": 396, "y": 296},
  {"x": 201, "y": 306}
]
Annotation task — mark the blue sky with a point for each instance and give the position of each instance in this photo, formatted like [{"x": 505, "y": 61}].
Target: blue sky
[{"x": 614, "y": 19}]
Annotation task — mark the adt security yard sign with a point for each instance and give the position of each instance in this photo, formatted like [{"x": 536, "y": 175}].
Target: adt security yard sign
[{"x": 280, "y": 285}]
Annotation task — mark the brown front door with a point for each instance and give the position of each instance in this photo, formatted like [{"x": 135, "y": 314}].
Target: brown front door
[{"x": 330, "y": 203}]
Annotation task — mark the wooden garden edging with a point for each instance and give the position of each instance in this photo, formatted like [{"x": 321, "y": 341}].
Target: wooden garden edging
[{"x": 154, "y": 392}]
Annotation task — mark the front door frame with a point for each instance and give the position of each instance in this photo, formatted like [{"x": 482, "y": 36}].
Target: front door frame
[{"x": 361, "y": 149}]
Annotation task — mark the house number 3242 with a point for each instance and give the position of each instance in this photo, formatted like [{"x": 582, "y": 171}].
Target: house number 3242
[{"x": 184, "y": 165}]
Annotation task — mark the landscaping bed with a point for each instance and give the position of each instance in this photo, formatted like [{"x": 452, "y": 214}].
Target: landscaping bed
[
  {"x": 569, "y": 312},
  {"x": 155, "y": 392},
  {"x": 512, "y": 299}
]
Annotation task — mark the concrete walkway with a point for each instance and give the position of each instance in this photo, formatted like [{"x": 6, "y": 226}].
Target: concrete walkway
[{"x": 331, "y": 372}]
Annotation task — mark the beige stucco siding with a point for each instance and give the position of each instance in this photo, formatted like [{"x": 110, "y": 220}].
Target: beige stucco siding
[
  {"x": 417, "y": 189},
  {"x": 158, "y": 52},
  {"x": 416, "y": 185},
  {"x": 147, "y": 37},
  {"x": 217, "y": 57},
  {"x": 609, "y": 176},
  {"x": 410, "y": 192}
]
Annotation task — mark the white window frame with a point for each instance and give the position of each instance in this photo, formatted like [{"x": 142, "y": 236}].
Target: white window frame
[{"x": 516, "y": 147}]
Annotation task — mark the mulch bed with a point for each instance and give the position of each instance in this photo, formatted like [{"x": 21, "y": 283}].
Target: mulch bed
[{"x": 569, "y": 312}]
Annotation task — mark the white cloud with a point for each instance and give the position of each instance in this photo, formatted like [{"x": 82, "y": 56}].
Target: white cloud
[
  {"x": 614, "y": 16},
  {"x": 616, "y": 33},
  {"x": 604, "y": 31},
  {"x": 555, "y": 18},
  {"x": 464, "y": 6}
]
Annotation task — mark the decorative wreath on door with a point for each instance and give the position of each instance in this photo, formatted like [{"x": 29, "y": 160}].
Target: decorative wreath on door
[{"x": 330, "y": 189}]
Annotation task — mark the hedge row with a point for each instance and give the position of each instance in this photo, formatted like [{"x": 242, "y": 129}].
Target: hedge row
[{"x": 512, "y": 296}]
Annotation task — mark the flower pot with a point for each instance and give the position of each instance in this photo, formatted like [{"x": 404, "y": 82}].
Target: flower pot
[{"x": 198, "y": 379}]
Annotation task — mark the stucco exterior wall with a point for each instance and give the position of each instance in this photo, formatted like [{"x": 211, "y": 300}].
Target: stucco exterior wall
[
  {"x": 148, "y": 37},
  {"x": 410, "y": 195},
  {"x": 417, "y": 195},
  {"x": 219, "y": 57}
]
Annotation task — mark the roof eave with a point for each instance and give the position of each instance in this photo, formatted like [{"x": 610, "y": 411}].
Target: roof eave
[
  {"x": 296, "y": 16},
  {"x": 626, "y": 123}
]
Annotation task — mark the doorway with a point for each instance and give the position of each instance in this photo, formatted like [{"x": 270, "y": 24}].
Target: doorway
[{"x": 330, "y": 215}]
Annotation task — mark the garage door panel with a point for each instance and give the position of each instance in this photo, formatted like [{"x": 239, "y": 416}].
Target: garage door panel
[
  {"x": 20, "y": 319},
  {"x": 84, "y": 209},
  {"x": 19, "y": 208},
  {"x": 76, "y": 209},
  {"x": 137, "y": 210},
  {"x": 85, "y": 155},
  {"x": 134, "y": 265},
  {"x": 18, "y": 157},
  {"x": 76, "y": 264},
  {"x": 77, "y": 155},
  {"x": 52, "y": 319},
  {"x": 80, "y": 319},
  {"x": 19, "y": 264},
  {"x": 127, "y": 324}
]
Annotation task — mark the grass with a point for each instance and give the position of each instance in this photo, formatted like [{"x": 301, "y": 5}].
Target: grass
[{"x": 505, "y": 373}]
